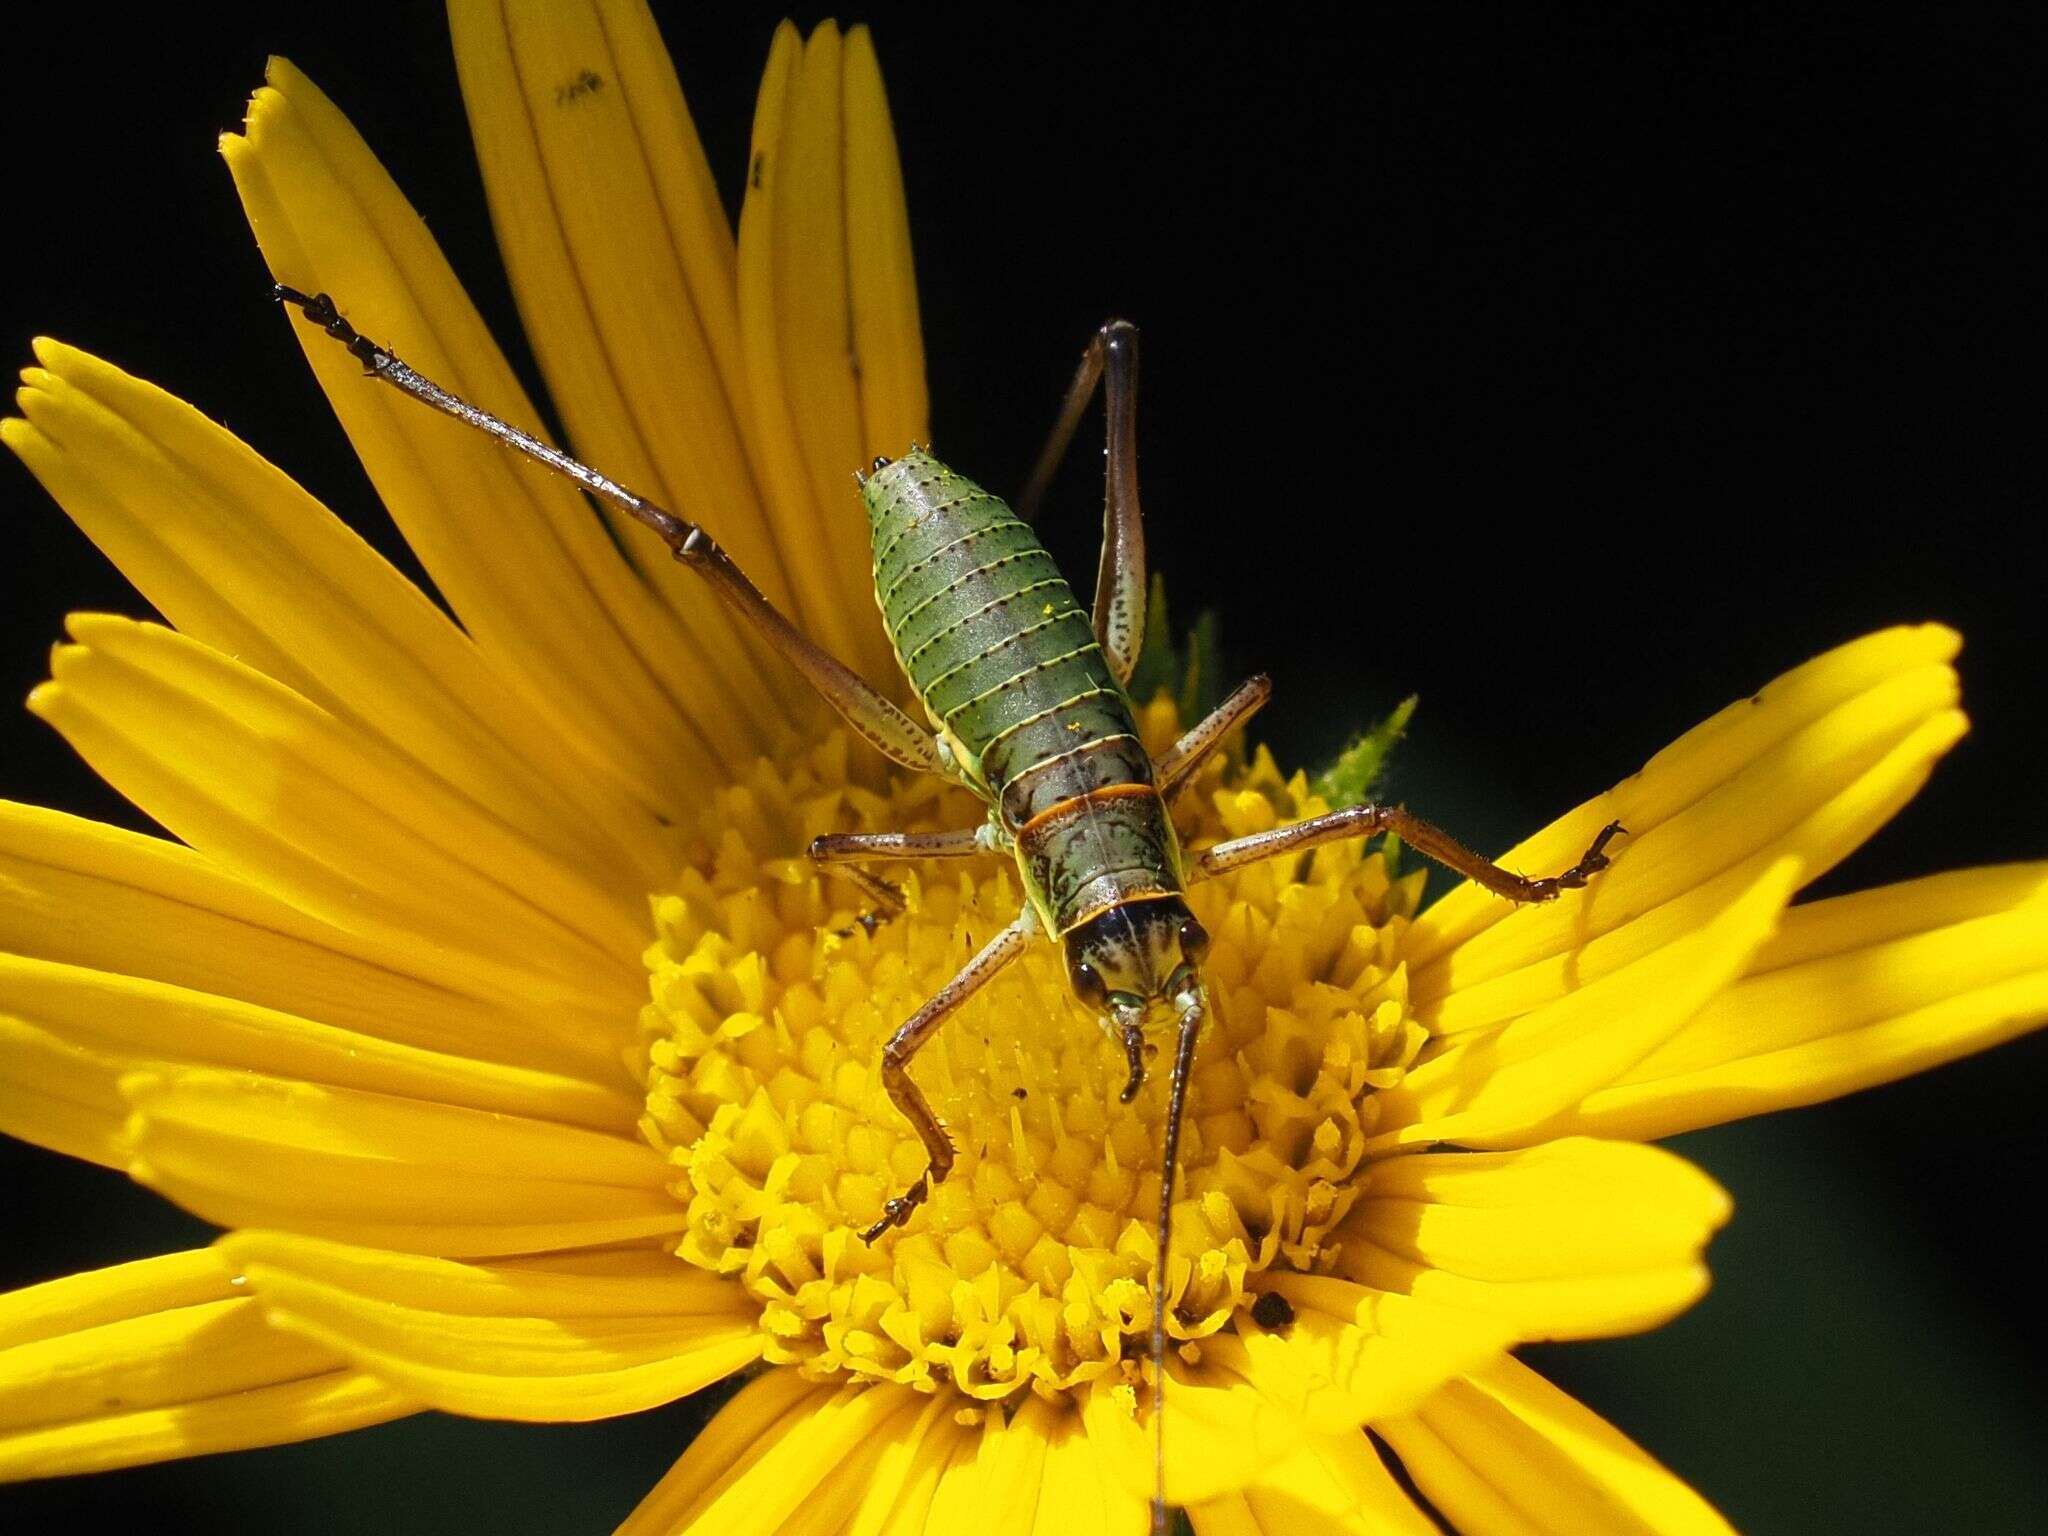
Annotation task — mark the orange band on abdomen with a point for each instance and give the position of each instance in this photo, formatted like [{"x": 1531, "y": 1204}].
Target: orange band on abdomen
[{"x": 1072, "y": 804}]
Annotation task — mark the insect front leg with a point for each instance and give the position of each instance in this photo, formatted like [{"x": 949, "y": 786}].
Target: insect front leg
[
  {"x": 837, "y": 851},
  {"x": 1429, "y": 840},
  {"x": 905, "y": 1044},
  {"x": 888, "y": 729},
  {"x": 1111, "y": 358}
]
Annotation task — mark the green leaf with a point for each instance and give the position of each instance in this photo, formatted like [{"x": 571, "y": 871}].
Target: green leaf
[
  {"x": 1192, "y": 676},
  {"x": 1201, "y": 682},
  {"x": 1357, "y": 769},
  {"x": 1158, "y": 668}
]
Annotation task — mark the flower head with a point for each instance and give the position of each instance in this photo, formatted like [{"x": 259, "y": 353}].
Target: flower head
[{"x": 488, "y": 1003}]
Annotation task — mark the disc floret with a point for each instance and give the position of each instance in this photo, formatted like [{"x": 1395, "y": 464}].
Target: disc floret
[{"x": 1030, "y": 1264}]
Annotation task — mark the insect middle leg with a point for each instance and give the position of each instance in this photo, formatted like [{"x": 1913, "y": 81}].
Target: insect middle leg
[
  {"x": 843, "y": 852},
  {"x": 904, "y": 1045},
  {"x": 1178, "y": 764},
  {"x": 1111, "y": 359},
  {"x": 1424, "y": 837}
]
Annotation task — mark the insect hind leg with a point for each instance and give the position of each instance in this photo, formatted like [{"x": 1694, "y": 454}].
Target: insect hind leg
[
  {"x": 885, "y": 727},
  {"x": 1110, "y": 359}
]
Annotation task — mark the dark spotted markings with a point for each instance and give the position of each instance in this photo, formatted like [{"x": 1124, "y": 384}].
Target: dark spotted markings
[
  {"x": 585, "y": 82},
  {"x": 1272, "y": 1310}
]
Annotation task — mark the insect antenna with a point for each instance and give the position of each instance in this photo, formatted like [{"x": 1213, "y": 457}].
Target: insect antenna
[{"x": 1176, "y": 1106}]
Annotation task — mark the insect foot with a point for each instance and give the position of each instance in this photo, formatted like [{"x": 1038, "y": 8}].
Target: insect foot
[
  {"x": 1591, "y": 862},
  {"x": 868, "y": 922},
  {"x": 897, "y": 1211}
]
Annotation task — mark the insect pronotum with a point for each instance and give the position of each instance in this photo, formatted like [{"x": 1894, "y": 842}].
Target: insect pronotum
[{"x": 1025, "y": 693}]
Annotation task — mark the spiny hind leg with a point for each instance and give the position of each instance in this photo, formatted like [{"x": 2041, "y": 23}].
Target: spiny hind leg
[
  {"x": 888, "y": 729},
  {"x": 1425, "y": 838},
  {"x": 1176, "y": 768},
  {"x": 904, "y": 1045},
  {"x": 1111, "y": 358},
  {"x": 837, "y": 851}
]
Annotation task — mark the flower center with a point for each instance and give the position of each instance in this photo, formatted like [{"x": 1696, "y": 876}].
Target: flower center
[{"x": 1030, "y": 1264}]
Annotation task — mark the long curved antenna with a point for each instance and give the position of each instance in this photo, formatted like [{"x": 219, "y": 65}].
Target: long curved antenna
[{"x": 1176, "y": 1107}]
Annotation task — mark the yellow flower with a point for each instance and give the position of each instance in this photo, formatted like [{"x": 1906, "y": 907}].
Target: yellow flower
[{"x": 495, "y": 1133}]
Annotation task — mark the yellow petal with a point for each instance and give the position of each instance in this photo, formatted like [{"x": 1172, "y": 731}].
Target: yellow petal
[
  {"x": 238, "y": 557},
  {"x": 1853, "y": 991},
  {"x": 160, "y": 1359},
  {"x": 621, "y": 257},
  {"x": 248, "y": 1151},
  {"x": 1508, "y": 1087},
  {"x": 1569, "y": 1239},
  {"x": 1029, "y": 1471},
  {"x": 881, "y": 280},
  {"x": 1809, "y": 768},
  {"x": 84, "y": 1301},
  {"x": 795, "y": 480},
  {"x": 906, "y": 1472},
  {"x": 1505, "y": 1451},
  {"x": 1336, "y": 1484},
  {"x": 619, "y": 1333},
  {"x": 960, "y": 1498},
  {"x": 126, "y": 1022},
  {"x": 1351, "y": 1354},
  {"x": 1077, "y": 1491},
  {"x": 85, "y": 894},
  {"x": 532, "y": 574},
  {"x": 817, "y": 282},
  {"x": 1229, "y": 1515},
  {"x": 784, "y": 1456},
  {"x": 1248, "y": 1403},
  {"x": 58, "y": 1094},
  {"x": 282, "y": 793}
]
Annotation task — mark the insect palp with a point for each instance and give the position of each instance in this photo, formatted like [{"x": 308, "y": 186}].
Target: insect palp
[{"x": 1134, "y": 1054}]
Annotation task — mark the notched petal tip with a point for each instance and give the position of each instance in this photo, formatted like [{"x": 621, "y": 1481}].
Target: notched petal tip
[
  {"x": 45, "y": 699},
  {"x": 281, "y": 74}
]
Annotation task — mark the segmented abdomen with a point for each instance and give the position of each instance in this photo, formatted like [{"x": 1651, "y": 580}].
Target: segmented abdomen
[{"x": 997, "y": 646}]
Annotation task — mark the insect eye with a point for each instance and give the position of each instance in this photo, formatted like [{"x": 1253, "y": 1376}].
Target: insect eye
[
  {"x": 1089, "y": 985},
  {"x": 880, "y": 462},
  {"x": 1194, "y": 941}
]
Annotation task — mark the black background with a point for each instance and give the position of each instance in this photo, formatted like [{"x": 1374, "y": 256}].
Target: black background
[{"x": 1577, "y": 375}]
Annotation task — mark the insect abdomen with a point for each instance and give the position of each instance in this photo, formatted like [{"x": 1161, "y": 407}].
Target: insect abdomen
[{"x": 995, "y": 643}]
